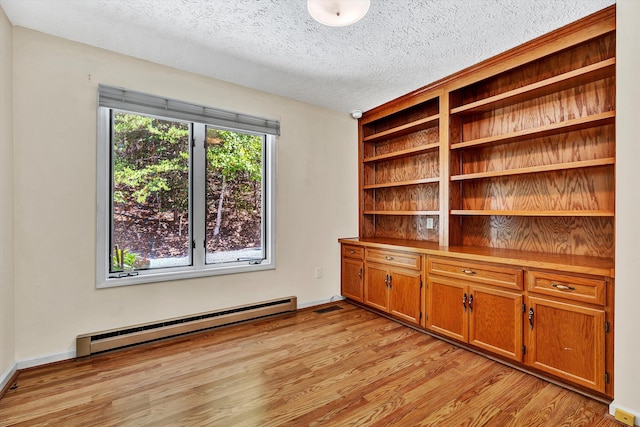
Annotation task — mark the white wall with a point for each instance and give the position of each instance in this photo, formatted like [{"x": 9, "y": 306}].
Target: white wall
[
  {"x": 55, "y": 215},
  {"x": 7, "y": 350},
  {"x": 627, "y": 339}
]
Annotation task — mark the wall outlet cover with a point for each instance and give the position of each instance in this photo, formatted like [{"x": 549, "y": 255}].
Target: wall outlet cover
[{"x": 625, "y": 417}]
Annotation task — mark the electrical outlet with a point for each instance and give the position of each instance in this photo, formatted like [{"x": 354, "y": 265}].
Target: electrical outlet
[
  {"x": 429, "y": 223},
  {"x": 625, "y": 417},
  {"x": 318, "y": 272}
]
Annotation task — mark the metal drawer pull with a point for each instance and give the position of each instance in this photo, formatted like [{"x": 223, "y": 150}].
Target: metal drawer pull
[
  {"x": 465, "y": 271},
  {"x": 563, "y": 287},
  {"x": 351, "y": 251},
  {"x": 389, "y": 258}
]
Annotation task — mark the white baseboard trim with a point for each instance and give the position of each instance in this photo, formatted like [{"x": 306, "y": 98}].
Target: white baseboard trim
[
  {"x": 43, "y": 360},
  {"x": 320, "y": 302},
  {"x": 6, "y": 376},
  {"x": 612, "y": 411}
]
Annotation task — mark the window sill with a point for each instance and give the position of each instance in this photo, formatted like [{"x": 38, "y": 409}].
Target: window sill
[{"x": 154, "y": 277}]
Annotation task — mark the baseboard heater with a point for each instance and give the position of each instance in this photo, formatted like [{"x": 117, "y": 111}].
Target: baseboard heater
[{"x": 98, "y": 342}]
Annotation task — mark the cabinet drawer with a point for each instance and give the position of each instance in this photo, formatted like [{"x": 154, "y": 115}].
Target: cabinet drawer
[
  {"x": 401, "y": 259},
  {"x": 353, "y": 251},
  {"x": 505, "y": 277},
  {"x": 585, "y": 289}
]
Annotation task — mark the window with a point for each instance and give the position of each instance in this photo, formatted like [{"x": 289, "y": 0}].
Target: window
[{"x": 183, "y": 190}]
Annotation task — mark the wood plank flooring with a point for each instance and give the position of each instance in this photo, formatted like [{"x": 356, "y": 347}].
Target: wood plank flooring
[{"x": 347, "y": 367}]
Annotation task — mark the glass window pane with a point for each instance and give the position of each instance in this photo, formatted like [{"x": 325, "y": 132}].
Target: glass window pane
[
  {"x": 150, "y": 193},
  {"x": 234, "y": 183}
]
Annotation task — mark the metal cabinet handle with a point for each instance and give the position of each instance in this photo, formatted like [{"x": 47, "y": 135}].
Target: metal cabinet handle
[
  {"x": 390, "y": 281},
  {"x": 563, "y": 287},
  {"x": 464, "y": 302},
  {"x": 351, "y": 251},
  {"x": 531, "y": 318},
  {"x": 465, "y": 271},
  {"x": 360, "y": 273},
  {"x": 471, "y": 303},
  {"x": 389, "y": 258}
]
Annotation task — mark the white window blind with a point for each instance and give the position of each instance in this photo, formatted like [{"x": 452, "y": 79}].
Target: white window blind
[{"x": 119, "y": 98}]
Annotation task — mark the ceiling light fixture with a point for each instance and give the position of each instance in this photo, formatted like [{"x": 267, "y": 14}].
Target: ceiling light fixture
[{"x": 338, "y": 13}]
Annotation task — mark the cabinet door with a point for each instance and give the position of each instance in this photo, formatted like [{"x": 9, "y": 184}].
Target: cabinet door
[
  {"x": 376, "y": 293},
  {"x": 404, "y": 294},
  {"x": 566, "y": 340},
  {"x": 352, "y": 271},
  {"x": 495, "y": 321},
  {"x": 448, "y": 305}
]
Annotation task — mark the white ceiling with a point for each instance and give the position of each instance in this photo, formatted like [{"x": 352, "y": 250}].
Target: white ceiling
[{"x": 275, "y": 46}]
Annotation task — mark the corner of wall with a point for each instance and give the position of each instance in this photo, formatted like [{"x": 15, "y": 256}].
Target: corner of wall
[
  {"x": 627, "y": 345},
  {"x": 7, "y": 284}
]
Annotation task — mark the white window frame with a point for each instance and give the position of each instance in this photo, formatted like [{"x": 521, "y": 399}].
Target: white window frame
[{"x": 199, "y": 267}]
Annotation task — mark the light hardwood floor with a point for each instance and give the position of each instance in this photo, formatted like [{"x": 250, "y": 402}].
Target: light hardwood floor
[{"x": 347, "y": 367}]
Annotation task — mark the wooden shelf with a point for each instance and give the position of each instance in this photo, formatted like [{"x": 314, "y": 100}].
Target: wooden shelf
[
  {"x": 407, "y": 213},
  {"x": 536, "y": 169},
  {"x": 553, "y": 129},
  {"x": 575, "y": 213},
  {"x": 564, "y": 81},
  {"x": 403, "y": 153},
  {"x": 401, "y": 183},
  {"x": 404, "y": 129}
]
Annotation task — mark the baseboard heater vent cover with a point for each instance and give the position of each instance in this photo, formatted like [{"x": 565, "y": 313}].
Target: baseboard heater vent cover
[
  {"x": 328, "y": 309},
  {"x": 98, "y": 342}
]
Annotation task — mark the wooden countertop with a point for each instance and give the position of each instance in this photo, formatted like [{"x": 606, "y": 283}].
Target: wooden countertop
[{"x": 560, "y": 262}]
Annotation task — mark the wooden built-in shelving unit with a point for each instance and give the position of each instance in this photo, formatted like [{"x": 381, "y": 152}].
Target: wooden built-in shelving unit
[{"x": 507, "y": 166}]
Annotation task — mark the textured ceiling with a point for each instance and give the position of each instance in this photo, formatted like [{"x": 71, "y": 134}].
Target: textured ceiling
[{"x": 275, "y": 46}]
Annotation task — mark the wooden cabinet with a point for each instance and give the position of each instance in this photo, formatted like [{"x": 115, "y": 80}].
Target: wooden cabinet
[
  {"x": 508, "y": 165},
  {"x": 394, "y": 287},
  {"x": 352, "y": 272},
  {"x": 566, "y": 336},
  {"x": 472, "y": 311}
]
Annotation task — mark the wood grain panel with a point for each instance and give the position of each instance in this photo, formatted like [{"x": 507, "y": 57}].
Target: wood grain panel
[
  {"x": 408, "y": 168},
  {"x": 351, "y": 278},
  {"x": 586, "y": 144},
  {"x": 455, "y": 223},
  {"x": 446, "y": 313},
  {"x": 376, "y": 293},
  {"x": 566, "y": 190},
  {"x": 582, "y": 55},
  {"x": 407, "y": 227},
  {"x": 368, "y": 199},
  {"x": 368, "y": 173},
  {"x": 553, "y": 235},
  {"x": 591, "y": 290},
  {"x": 412, "y": 140},
  {"x": 495, "y": 321},
  {"x": 423, "y": 197},
  {"x": 368, "y": 225},
  {"x": 567, "y": 340},
  {"x": 403, "y": 117},
  {"x": 581, "y": 101},
  {"x": 404, "y": 295},
  {"x": 468, "y": 271},
  {"x": 411, "y": 261}
]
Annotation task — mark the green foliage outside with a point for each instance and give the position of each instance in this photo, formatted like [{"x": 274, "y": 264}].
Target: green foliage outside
[
  {"x": 151, "y": 161},
  {"x": 151, "y": 189},
  {"x": 232, "y": 154}
]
